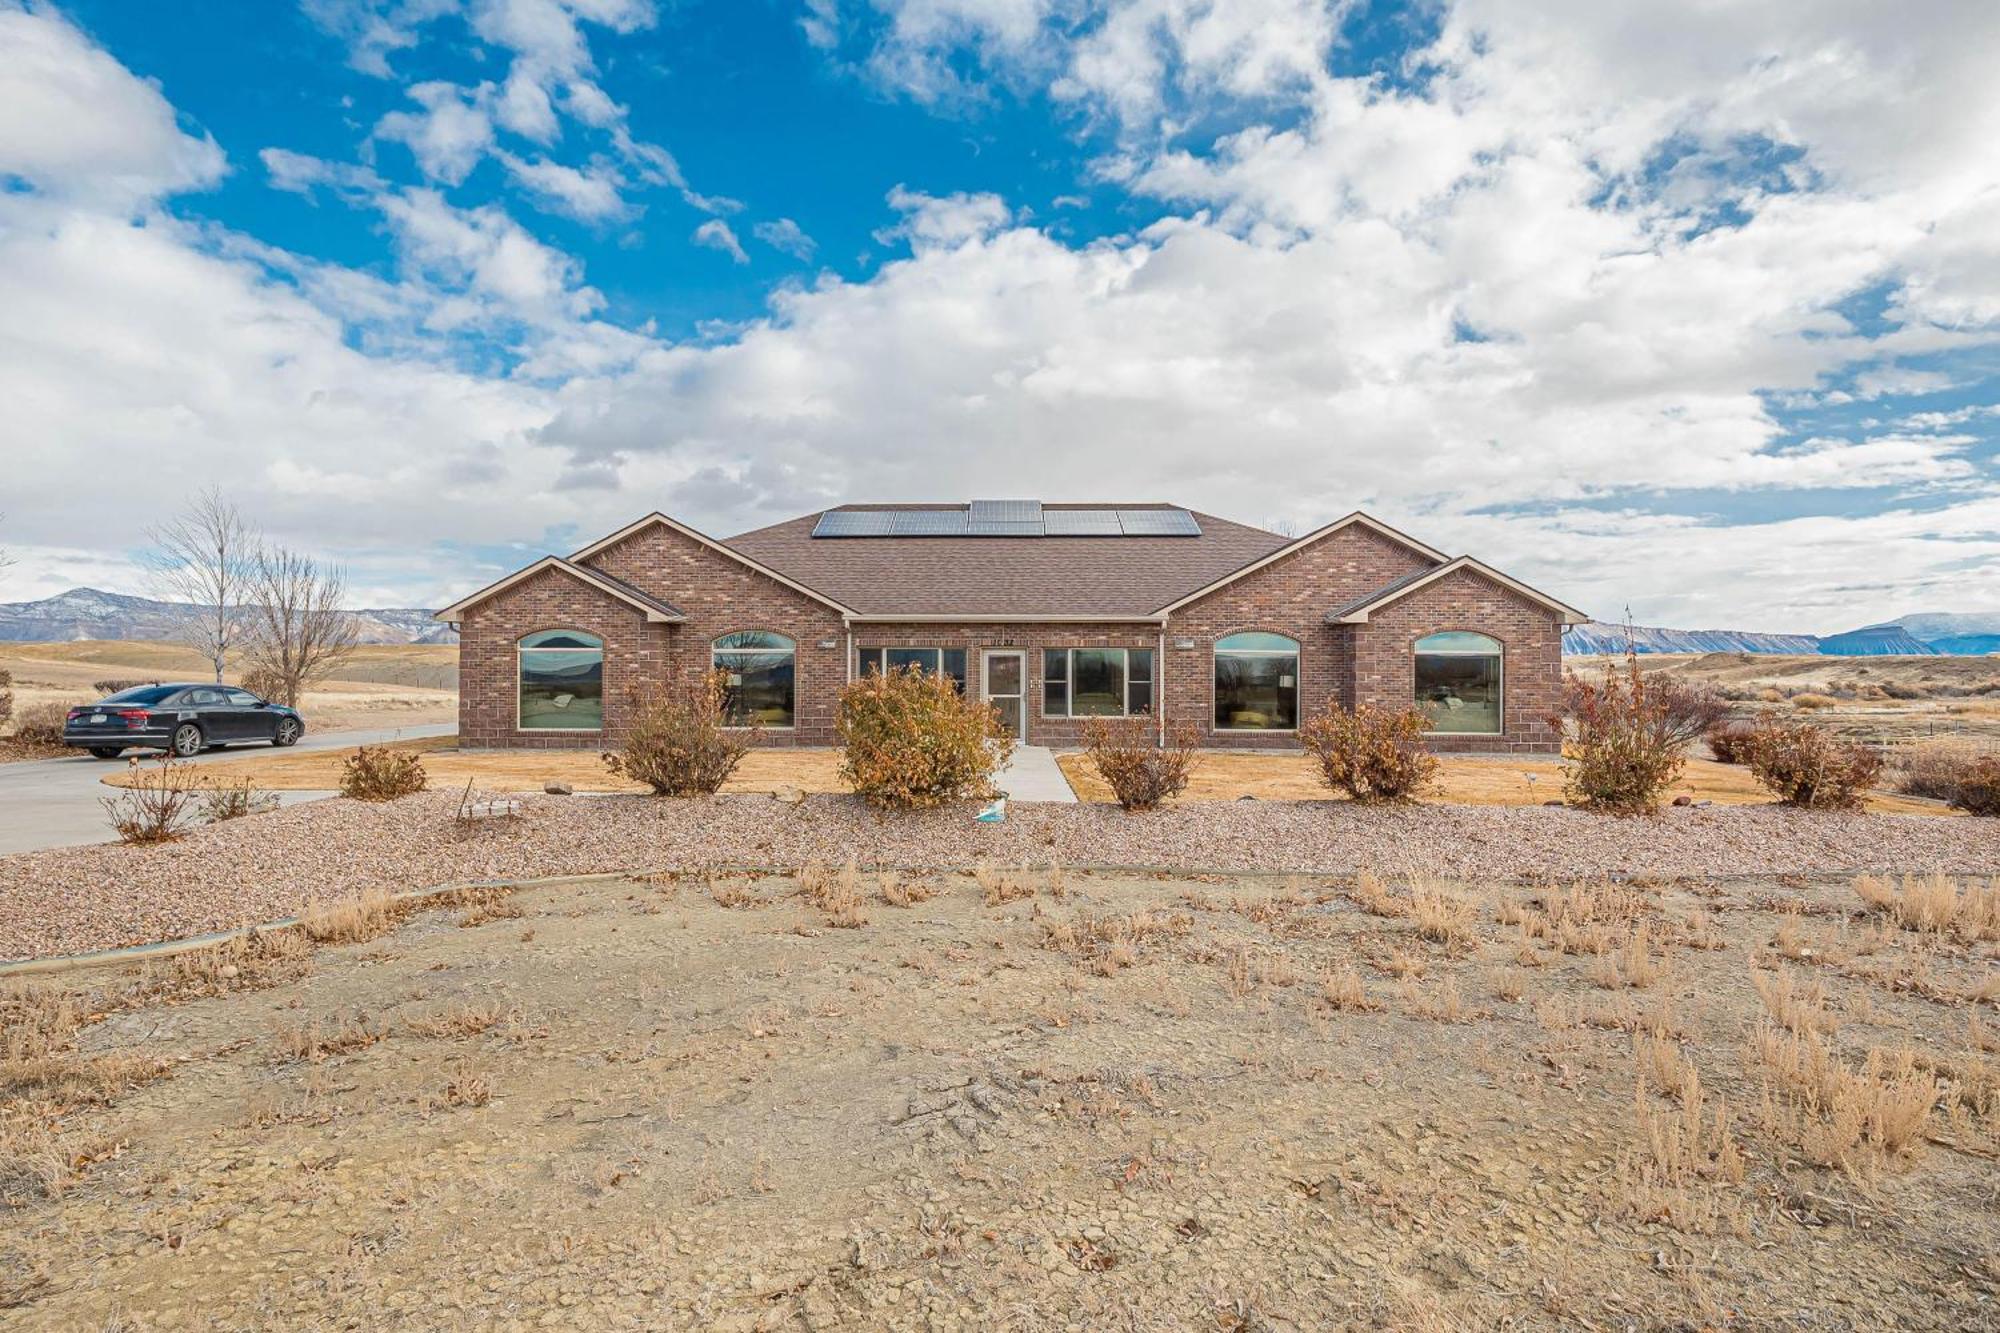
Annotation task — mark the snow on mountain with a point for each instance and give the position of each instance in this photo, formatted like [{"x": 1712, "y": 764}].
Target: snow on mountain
[
  {"x": 91, "y": 613},
  {"x": 1597, "y": 637}
]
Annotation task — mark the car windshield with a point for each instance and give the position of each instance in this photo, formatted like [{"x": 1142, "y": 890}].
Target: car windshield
[{"x": 143, "y": 694}]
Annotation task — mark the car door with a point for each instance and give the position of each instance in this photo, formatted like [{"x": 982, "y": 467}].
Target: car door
[
  {"x": 212, "y": 710},
  {"x": 257, "y": 719}
]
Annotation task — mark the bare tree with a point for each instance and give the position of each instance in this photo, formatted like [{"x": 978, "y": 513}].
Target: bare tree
[
  {"x": 297, "y": 633},
  {"x": 203, "y": 560}
]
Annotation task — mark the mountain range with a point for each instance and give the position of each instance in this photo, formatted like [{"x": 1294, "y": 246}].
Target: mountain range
[
  {"x": 91, "y": 613},
  {"x": 1923, "y": 635}
]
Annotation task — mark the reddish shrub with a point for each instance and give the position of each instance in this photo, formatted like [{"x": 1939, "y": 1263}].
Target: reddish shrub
[
  {"x": 1803, "y": 765},
  {"x": 1978, "y": 789},
  {"x": 1371, "y": 753},
  {"x": 1729, "y": 742},
  {"x": 382, "y": 773},
  {"x": 1625, "y": 746},
  {"x": 1142, "y": 773},
  {"x": 913, "y": 741}
]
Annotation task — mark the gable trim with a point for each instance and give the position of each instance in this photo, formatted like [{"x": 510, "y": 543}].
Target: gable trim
[
  {"x": 720, "y": 548},
  {"x": 1357, "y": 613},
  {"x": 656, "y": 613},
  {"x": 1357, "y": 517}
]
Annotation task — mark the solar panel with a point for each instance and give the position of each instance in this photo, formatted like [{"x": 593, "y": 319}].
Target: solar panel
[
  {"x": 1158, "y": 523},
  {"x": 1006, "y": 511},
  {"x": 848, "y": 523},
  {"x": 993, "y": 529},
  {"x": 924, "y": 522},
  {"x": 1082, "y": 523}
]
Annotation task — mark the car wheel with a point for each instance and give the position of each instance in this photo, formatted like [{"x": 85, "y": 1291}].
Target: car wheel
[
  {"x": 106, "y": 751},
  {"x": 187, "y": 740},
  {"x": 289, "y": 732}
]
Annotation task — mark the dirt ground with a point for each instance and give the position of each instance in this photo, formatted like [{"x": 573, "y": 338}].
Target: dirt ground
[
  {"x": 381, "y": 686},
  {"x": 1030, "y": 1101}
]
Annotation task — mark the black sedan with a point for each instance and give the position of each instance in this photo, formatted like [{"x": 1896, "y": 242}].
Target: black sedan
[{"x": 185, "y": 719}]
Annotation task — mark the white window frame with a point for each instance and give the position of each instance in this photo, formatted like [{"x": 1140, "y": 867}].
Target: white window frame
[
  {"x": 1499, "y": 653},
  {"x": 1298, "y": 656},
  {"x": 792, "y": 652},
  {"x": 1125, "y": 681},
  {"x": 597, "y": 730}
]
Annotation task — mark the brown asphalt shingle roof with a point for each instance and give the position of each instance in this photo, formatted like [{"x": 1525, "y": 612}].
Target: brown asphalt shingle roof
[{"x": 1009, "y": 576}]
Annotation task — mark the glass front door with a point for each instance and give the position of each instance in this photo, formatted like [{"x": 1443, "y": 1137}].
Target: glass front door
[{"x": 1006, "y": 682}]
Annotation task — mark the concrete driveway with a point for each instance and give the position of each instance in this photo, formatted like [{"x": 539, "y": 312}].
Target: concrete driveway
[{"x": 55, "y": 802}]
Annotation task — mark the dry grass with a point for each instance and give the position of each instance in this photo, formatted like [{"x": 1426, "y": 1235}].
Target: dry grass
[
  {"x": 350, "y": 920},
  {"x": 312, "y": 1040},
  {"x": 460, "y": 1021},
  {"x": 1936, "y": 904},
  {"x": 1343, "y": 989},
  {"x": 1835, "y": 1114}
]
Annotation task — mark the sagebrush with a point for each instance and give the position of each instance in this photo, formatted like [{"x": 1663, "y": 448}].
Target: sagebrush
[
  {"x": 156, "y": 806},
  {"x": 1806, "y": 766},
  {"x": 382, "y": 773},
  {"x": 912, "y": 741},
  {"x": 1978, "y": 791},
  {"x": 1729, "y": 741},
  {"x": 679, "y": 742},
  {"x": 1625, "y": 746},
  {"x": 40, "y": 726},
  {"x": 1372, "y": 754},
  {"x": 1141, "y": 770}
]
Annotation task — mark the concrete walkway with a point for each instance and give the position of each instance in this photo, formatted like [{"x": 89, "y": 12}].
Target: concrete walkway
[
  {"x": 1033, "y": 775},
  {"x": 55, "y": 802}
]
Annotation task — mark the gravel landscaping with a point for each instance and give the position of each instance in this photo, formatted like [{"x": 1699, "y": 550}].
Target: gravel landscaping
[{"x": 272, "y": 865}]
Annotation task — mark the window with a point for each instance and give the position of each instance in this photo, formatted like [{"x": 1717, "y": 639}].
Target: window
[
  {"x": 1096, "y": 682},
  {"x": 1458, "y": 682},
  {"x": 561, "y": 681},
  {"x": 1256, "y": 683},
  {"x": 948, "y": 661},
  {"x": 758, "y": 687},
  {"x": 242, "y": 698}
]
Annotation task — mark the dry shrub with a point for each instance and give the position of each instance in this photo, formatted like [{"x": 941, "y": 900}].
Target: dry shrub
[
  {"x": 679, "y": 742},
  {"x": 492, "y": 909},
  {"x": 1629, "y": 965},
  {"x": 1688, "y": 710},
  {"x": 157, "y": 806},
  {"x": 1442, "y": 1003},
  {"x": 1625, "y": 748},
  {"x": 1141, "y": 771},
  {"x": 1811, "y": 702},
  {"x": 382, "y": 773},
  {"x": 1934, "y": 768},
  {"x": 268, "y": 683},
  {"x": 6, "y": 696},
  {"x": 314, "y": 1039},
  {"x": 468, "y": 1085},
  {"x": 350, "y": 920},
  {"x": 1680, "y": 1149},
  {"x": 1936, "y": 904},
  {"x": 1372, "y": 754},
  {"x": 1109, "y": 943},
  {"x": 461, "y": 1021},
  {"x": 900, "y": 892},
  {"x": 1797, "y": 1007},
  {"x": 998, "y": 887},
  {"x": 40, "y": 726},
  {"x": 842, "y": 900},
  {"x": 913, "y": 742},
  {"x": 1803, "y": 765},
  {"x": 1442, "y": 915},
  {"x": 1584, "y": 917},
  {"x": 1729, "y": 742},
  {"x": 1979, "y": 789},
  {"x": 233, "y": 800},
  {"x": 1371, "y": 895}
]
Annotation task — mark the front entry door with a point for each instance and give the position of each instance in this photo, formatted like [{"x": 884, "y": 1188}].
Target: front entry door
[{"x": 1006, "y": 688}]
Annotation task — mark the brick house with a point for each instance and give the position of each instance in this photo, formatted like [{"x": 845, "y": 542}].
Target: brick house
[{"x": 1053, "y": 613}]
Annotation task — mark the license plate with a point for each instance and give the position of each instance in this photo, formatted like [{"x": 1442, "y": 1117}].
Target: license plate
[{"x": 96, "y": 718}]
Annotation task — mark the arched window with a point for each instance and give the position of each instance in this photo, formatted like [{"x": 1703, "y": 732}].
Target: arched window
[
  {"x": 561, "y": 681},
  {"x": 1458, "y": 682},
  {"x": 1256, "y": 683},
  {"x": 757, "y": 665}
]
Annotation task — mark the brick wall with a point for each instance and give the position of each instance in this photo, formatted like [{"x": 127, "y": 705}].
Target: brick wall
[
  {"x": 1531, "y": 656},
  {"x": 1290, "y": 597},
  {"x": 487, "y": 663}
]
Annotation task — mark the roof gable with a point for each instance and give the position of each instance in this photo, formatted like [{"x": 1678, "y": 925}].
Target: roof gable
[
  {"x": 1358, "y": 611},
  {"x": 655, "y": 610},
  {"x": 721, "y": 548},
  {"x": 1357, "y": 518}
]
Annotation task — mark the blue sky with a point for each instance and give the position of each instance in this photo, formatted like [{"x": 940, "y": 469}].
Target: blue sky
[{"x": 1695, "y": 316}]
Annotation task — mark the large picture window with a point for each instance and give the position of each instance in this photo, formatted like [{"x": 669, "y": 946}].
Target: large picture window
[
  {"x": 757, "y": 677},
  {"x": 1458, "y": 682},
  {"x": 561, "y": 681},
  {"x": 1256, "y": 683},
  {"x": 1096, "y": 682},
  {"x": 938, "y": 661}
]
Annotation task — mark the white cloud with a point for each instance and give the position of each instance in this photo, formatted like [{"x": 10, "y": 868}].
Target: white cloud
[
  {"x": 715, "y": 234},
  {"x": 786, "y": 235},
  {"x": 590, "y": 194},
  {"x": 76, "y": 126},
  {"x": 452, "y": 132},
  {"x": 932, "y": 220}
]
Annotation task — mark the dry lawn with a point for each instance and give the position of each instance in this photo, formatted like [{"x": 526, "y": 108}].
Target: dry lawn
[
  {"x": 384, "y": 685},
  {"x": 1048, "y": 1100}
]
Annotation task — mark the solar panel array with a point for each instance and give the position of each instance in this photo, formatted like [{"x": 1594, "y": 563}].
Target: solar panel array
[{"x": 1006, "y": 518}]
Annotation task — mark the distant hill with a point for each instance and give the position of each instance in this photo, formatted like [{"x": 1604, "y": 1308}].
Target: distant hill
[
  {"x": 1923, "y": 635},
  {"x": 1596, "y": 637},
  {"x": 91, "y": 613}
]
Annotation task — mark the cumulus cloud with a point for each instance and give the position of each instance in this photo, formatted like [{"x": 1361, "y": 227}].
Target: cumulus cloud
[
  {"x": 76, "y": 126},
  {"x": 786, "y": 235}
]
